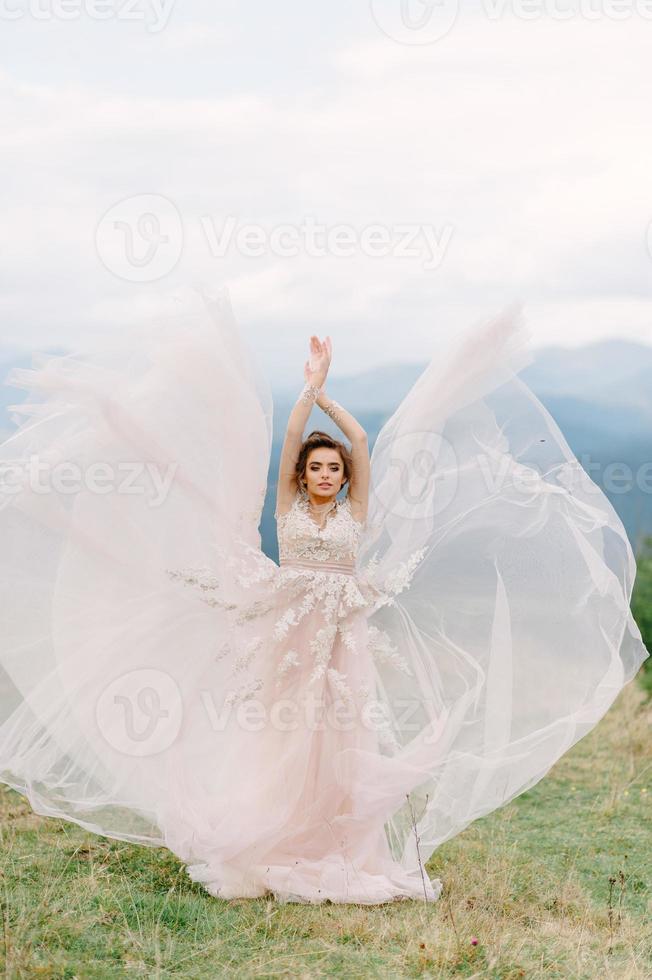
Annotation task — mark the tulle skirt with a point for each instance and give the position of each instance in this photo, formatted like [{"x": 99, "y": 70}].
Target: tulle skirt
[{"x": 151, "y": 688}]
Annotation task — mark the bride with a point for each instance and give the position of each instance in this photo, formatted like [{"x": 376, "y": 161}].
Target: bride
[{"x": 447, "y": 618}]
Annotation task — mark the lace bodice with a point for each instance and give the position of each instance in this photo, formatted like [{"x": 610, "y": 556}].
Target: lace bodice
[{"x": 299, "y": 536}]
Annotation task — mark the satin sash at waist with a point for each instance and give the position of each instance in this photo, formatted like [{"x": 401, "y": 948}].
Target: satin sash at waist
[{"x": 343, "y": 567}]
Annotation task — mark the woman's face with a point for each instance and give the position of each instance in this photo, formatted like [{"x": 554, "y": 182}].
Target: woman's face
[{"x": 324, "y": 472}]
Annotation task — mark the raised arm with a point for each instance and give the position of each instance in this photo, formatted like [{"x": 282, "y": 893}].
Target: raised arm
[
  {"x": 315, "y": 372},
  {"x": 361, "y": 475}
]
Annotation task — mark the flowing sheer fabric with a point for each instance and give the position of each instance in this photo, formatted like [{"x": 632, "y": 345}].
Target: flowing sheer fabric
[{"x": 152, "y": 654}]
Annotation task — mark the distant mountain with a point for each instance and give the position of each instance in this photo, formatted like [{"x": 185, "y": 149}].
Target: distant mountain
[
  {"x": 600, "y": 395},
  {"x": 609, "y": 372}
]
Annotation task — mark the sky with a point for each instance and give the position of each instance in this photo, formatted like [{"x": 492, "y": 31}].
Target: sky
[{"x": 384, "y": 172}]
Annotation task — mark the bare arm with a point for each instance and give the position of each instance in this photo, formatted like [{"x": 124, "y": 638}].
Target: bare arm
[
  {"x": 361, "y": 475},
  {"x": 287, "y": 484},
  {"x": 315, "y": 377}
]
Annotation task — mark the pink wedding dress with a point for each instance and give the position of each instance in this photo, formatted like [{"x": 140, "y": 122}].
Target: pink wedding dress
[{"x": 314, "y": 729}]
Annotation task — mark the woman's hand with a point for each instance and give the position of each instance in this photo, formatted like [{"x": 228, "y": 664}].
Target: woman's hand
[{"x": 316, "y": 368}]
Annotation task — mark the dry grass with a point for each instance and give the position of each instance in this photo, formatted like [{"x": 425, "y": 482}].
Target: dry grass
[{"x": 555, "y": 885}]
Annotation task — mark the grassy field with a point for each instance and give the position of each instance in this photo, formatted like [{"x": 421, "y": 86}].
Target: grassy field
[{"x": 556, "y": 884}]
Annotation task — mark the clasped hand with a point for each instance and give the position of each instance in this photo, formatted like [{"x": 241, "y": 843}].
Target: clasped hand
[{"x": 315, "y": 370}]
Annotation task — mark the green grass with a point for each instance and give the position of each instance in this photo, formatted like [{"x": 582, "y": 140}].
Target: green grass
[{"x": 557, "y": 884}]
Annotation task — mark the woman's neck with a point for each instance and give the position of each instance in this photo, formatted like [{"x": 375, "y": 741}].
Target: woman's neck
[{"x": 319, "y": 504}]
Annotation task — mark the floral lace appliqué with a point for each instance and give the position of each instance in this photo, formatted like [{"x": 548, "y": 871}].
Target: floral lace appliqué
[
  {"x": 267, "y": 605},
  {"x": 300, "y": 537}
]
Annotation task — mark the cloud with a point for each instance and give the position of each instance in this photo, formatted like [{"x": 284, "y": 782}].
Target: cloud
[{"x": 527, "y": 141}]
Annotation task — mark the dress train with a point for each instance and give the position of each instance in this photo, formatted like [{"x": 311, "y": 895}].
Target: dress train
[{"x": 476, "y": 627}]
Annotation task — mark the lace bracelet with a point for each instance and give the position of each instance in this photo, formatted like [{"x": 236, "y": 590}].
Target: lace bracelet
[
  {"x": 309, "y": 393},
  {"x": 334, "y": 410}
]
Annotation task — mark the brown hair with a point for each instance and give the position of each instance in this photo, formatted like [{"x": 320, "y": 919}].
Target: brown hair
[{"x": 321, "y": 440}]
